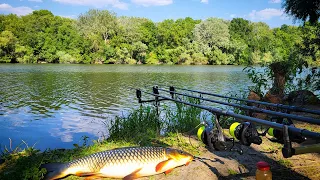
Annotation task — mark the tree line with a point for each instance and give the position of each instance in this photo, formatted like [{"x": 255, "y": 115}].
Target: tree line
[{"x": 100, "y": 36}]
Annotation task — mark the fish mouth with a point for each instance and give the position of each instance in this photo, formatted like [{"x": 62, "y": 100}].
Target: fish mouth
[
  {"x": 196, "y": 158},
  {"x": 179, "y": 155},
  {"x": 191, "y": 158}
]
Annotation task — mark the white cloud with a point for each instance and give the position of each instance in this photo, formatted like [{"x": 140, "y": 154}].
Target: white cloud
[
  {"x": 35, "y": 0},
  {"x": 96, "y": 3},
  {"x": 233, "y": 15},
  {"x": 152, "y": 2},
  {"x": 265, "y": 14},
  {"x": 22, "y": 10},
  {"x": 205, "y": 1},
  {"x": 275, "y": 1},
  {"x": 72, "y": 123},
  {"x": 69, "y": 16}
]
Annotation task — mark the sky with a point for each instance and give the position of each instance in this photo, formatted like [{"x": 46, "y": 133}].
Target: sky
[{"x": 268, "y": 11}]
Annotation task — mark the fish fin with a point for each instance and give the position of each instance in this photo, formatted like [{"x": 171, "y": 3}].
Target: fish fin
[
  {"x": 164, "y": 165},
  {"x": 187, "y": 163},
  {"x": 54, "y": 170},
  {"x": 87, "y": 174},
  {"x": 168, "y": 171},
  {"x": 96, "y": 176},
  {"x": 133, "y": 175}
]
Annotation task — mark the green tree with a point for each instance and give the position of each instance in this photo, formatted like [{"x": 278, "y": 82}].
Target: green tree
[
  {"x": 286, "y": 39},
  {"x": 311, "y": 41},
  {"x": 140, "y": 51},
  {"x": 152, "y": 58},
  {"x": 262, "y": 37},
  {"x": 305, "y": 10},
  {"x": 148, "y": 31},
  {"x": 24, "y": 54},
  {"x": 99, "y": 36},
  {"x": 185, "y": 58},
  {"x": 7, "y": 46},
  {"x": 240, "y": 29},
  {"x": 129, "y": 29},
  {"x": 198, "y": 59},
  {"x": 171, "y": 33},
  {"x": 99, "y": 27},
  {"x": 240, "y": 50},
  {"x": 98, "y": 22},
  {"x": 213, "y": 32}
]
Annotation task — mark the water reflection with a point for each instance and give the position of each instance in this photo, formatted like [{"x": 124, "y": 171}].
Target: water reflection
[{"x": 55, "y": 105}]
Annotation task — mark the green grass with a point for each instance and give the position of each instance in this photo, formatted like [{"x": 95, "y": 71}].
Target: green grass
[
  {"x": 285, "y": 162},
  {"x": 26, "y": 163},
  {"x": 271, "y": 147},
  {"x": 232, "y": 172}
]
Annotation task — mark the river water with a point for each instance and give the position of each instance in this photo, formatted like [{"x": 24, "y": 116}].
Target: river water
[{"x": 54, "y": 106}]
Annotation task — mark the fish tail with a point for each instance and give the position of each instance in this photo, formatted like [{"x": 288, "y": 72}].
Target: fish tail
[{"x": 55, "y": 170}]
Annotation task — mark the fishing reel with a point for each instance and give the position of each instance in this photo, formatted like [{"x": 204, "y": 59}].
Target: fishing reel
[
  {"x": 278, "y": 134},
  {"x": 246, "y": 133},
  {"x": 212, "y": 137}
]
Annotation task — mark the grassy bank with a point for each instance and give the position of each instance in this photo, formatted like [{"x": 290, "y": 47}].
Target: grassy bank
[{"x": 142, "y": 127}]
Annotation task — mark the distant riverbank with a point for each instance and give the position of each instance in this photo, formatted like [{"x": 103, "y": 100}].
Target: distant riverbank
[{"x": 42, "y": 37}]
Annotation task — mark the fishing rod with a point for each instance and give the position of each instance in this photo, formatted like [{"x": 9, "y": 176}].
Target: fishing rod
[
  {"x": 250, "y": 108},
  {"x": 278, "y": 106},
  {"x": 212, "y": 135},
  {"x": 292, "y": 130}
]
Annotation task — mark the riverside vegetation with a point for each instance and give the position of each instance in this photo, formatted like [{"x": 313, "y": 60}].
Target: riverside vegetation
[{"x": 100, "y": 36}]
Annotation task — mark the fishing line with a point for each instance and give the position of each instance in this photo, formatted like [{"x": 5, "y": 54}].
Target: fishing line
[
  {"x": 189, "y": 134},
  {"x": 202, "y": 159}
]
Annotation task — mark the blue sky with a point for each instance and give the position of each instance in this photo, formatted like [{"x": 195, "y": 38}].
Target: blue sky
[{"x": 268, "y": 11}]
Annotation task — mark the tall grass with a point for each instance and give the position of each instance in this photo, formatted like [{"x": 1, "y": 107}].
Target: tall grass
[
  {"x": 140, "y": 125},
  {"x": 183, "y": 118},
  {"x": 144, "y": 123}
]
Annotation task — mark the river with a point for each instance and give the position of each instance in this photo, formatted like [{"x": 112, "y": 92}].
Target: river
[{"x": 54, "y": 106}]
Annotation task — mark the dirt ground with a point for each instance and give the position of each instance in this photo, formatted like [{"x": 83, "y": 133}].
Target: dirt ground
[{"x": 231, "y": 165}]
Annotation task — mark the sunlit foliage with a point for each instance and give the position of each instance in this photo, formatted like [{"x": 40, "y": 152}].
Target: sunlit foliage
[{"x": 100, "y": 36}]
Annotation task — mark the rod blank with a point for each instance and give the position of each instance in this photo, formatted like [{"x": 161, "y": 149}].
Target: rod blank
[
  {"x": 280, "y": 106},
  {"x": 252, "y": 108},
  {"x": 292, "y": 130}
]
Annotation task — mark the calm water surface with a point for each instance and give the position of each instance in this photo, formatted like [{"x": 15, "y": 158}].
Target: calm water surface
[{"x": 55, "y": 105}]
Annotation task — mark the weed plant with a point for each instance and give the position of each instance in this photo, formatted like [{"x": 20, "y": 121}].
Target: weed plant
[
  {"x": 183, "y": 118},
  {"x": 140, "y": 126},
  {"x": 145, "y": 124}
]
